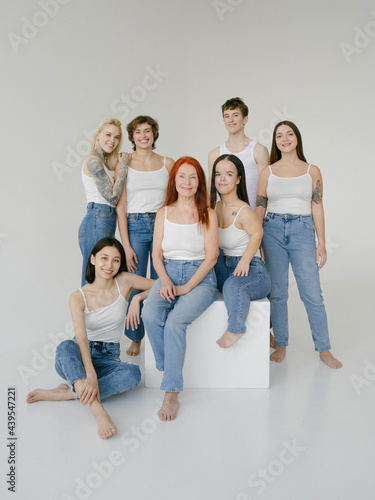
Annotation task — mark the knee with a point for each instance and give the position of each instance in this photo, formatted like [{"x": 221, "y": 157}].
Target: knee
[{"x": 65, "y": 348}]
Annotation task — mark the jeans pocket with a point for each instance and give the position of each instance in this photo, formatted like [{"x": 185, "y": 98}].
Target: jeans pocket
[
  {"x": 266, "y": 220},
  {"x": 113, "y": 353},
  {"x": 308, "y": 224}
]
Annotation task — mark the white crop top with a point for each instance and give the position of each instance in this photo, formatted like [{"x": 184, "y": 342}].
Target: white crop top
[
  {"x": 234, "y": 241},
  {"x": 106, "y": 324},
  {"x": 251, "y": 169},
  {"x": 92, "y": 193},
  {"x": 145, "y": 191},
  {"x": 183, "y": 241},
  {"x": 289, "y": 195}
]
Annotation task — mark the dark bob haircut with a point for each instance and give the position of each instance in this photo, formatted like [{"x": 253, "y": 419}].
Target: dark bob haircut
[
  {"x": 241, "y": 186},
  {"x": 104, "y": 242}
]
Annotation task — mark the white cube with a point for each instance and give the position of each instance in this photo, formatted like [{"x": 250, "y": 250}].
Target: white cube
[{"x": 243, "y": 365}]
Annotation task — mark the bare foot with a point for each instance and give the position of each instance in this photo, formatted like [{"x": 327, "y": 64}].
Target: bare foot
[
  {"x": 272, "y": 341},
  {"x": 278, "y": 354},
  {"x": 330, "y": 361},
  {"x": 106, "y": 428},
  {"x": 168, "y": 410},
  {"x": 228, "y": 339},
  {"x": 134, "y": 348},
  {"x": 60, "y": 393}
]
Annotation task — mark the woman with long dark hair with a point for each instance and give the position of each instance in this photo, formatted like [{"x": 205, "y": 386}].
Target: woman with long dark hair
[
  {"x": 291, "y": 190},
  {"x": 90, "y": 363},
  {"x": 240, "y": 271},
  {"x": 185, "y": 251}
]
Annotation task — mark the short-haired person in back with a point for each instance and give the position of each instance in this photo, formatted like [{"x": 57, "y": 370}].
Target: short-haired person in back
[
  {"x": 185, "y": 251},
  {"x": 90, "y": 363},
  {"x": 291, "y": 190},
  {"x": 253, "y": 155},
  {"x": 240, "y": 270},
  {"x": 143, "y": 195}
]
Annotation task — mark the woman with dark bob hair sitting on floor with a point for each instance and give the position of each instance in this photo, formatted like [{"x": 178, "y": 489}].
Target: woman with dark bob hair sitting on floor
[{"x": 90, "y": 363}]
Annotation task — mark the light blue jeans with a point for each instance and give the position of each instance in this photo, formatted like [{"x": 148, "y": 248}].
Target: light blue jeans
[
  {"x": 291, "y": 238},
  {"x": 100, "y": 221},
  {"x": 166, "y": 323},
  {"x": 114, "y": 376},
  {"x": 141, "y": 232},
  {"x": 238, "y": 291}
]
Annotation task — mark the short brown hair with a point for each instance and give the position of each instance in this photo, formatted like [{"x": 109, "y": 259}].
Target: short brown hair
[
  {"x": 139, "y": 120},
  {"x": 234, "y": 103}
]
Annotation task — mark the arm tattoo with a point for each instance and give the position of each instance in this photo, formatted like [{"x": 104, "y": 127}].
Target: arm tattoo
[
  {"x": 110, "y": 192},
  {"x": 316, "y": 196},
  {"x": 261, "y": 201}
]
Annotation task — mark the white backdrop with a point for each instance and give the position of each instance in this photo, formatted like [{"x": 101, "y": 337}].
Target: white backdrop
[{"x": 66, "y": 65}]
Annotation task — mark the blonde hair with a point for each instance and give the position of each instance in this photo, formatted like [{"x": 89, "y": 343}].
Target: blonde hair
[{"x": 112, "y": 157}]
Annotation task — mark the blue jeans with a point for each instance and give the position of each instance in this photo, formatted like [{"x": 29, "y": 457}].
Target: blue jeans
[
  {"x": 238, "y": 291},
  {"x": 141, "y": 232},
  {"x": 292, "y": 238},
  {"x": 114, "y": 376},
  {"x": 100, "y": 221},
  {"x": 166, "y": 323}
]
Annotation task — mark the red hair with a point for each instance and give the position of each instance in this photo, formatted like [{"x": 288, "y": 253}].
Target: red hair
[{"x": 171, "y": 194}]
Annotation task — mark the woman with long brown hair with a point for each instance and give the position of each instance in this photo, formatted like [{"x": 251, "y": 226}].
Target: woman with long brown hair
[
  {"x": 291, "y": 190},
  {"x": 185, "y": 251}
]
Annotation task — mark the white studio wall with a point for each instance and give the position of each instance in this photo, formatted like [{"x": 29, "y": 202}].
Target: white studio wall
[{"x": 69, "y": 64}]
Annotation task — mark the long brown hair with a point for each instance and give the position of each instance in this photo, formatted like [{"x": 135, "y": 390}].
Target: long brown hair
[
  {"x": 171, "y": 194},
  {"x": 241, "y": 186},
  {"x": 275, "y": 151}
]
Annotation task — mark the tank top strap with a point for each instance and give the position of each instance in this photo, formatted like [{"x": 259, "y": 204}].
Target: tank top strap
[
  {"x": 238, "y": 213},
  {"x": 269, "y": 166},
  {"x": 165, "y": 212},
  {"x": 308, "y": 170},
  {"x": 118, "y": 288},
  {"x": 165, "y": 158},
  {"x": 252, "y": 145},
  {"x": 84, "y": 298}
]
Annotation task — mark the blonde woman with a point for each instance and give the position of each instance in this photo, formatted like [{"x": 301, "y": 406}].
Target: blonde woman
[{"x": 102, "y": 191}]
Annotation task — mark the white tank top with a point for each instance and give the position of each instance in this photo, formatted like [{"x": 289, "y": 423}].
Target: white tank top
[
  {"x": 145, "y": 191},
  {"x": 251, "y": 169},
  {"x": 289, "y": 195},
  {"x": 106, "y": 324},
  {"x": 183, "y": 241},
  {"x": 92, "y": 193},
  {"x": 234, "y": 241}
]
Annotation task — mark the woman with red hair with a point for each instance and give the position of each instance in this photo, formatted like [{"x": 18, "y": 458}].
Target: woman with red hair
[{"x": 184, "y": 253}]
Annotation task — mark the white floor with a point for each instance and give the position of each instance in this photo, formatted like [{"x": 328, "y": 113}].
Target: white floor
[{"x": 310, "y": 436}]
